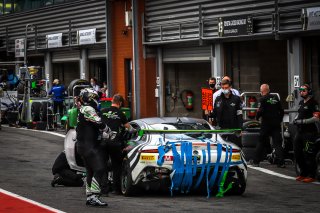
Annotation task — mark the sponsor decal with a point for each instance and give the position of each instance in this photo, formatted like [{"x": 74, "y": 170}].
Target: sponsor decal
[
  {"x": 236, "y": 157},
  {"x": 146, "y": 157}
]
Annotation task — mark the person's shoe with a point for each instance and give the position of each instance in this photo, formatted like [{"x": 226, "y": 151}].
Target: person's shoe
[
  {"x": 308, "y": 180},
  {"x": 94, "y": 200},
  {"x": 55, "y": 180},
  {"x": 300, "y": 178}
]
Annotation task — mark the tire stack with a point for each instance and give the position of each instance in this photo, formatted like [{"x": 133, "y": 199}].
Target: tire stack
[
  {"x": 250, "y": 138},
  {"x": 39, "y": 115}
]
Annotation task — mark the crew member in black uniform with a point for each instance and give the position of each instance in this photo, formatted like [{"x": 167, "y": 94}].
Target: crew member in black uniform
[
  {"x": 89, "y": 130},
  {"x": 271, "y": 113},
  {"x": 63, "y": 174},
  {"x": 227, "y": 111},
  {"x": 117, "y": 121},
  {"x": 304, "y": 142}
]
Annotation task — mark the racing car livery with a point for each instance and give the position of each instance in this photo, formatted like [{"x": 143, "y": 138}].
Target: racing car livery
[{"x": 177, "y": 155}]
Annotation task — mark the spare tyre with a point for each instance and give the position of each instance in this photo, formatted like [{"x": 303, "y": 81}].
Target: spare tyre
[
  {"x": 77, "y": 82},
  {"x": 35, "y": 111}
]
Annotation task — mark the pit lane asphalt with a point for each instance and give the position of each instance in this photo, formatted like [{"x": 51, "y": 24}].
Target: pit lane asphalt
[{"x": 26, "y": 158}]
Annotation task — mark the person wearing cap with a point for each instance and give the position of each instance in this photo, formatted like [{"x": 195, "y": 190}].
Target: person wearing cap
[
  {"x": 57, "y": 91},
  {"x": 304, "y": 144}
]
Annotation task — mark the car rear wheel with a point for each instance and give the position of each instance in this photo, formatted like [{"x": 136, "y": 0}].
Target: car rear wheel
[
  {"x": 318, "y": 166},
  {"x": 239, "y": 184},
  {"x": 127, "y": 187}
]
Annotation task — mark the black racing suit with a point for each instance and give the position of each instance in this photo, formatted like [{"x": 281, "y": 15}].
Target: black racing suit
[
  {"x": 227, "y": 113},
  {"x": 304, "y": 141},
  {"x": 90, "y": 149},
  {"x": 271, "y": 113},
  {"x": 115, "y": 120},
  {"x": 68, "y": 176}
]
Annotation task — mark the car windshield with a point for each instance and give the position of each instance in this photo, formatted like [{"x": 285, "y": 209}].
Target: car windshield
[{"x": 183, "y": 126}]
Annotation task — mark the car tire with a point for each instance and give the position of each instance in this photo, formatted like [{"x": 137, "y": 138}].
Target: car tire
[
  {"x": 250, "y": 139},
  {"x": 318, "y": 166},
  {"x": 127, "y": 187},
  {"x": 35, "y": 111},
  {"x": 239, "y": 184},
  {"x": 249, "y": 153}
]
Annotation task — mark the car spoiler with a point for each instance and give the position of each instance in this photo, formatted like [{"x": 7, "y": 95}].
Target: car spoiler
[{"x": 142, "y": 132}]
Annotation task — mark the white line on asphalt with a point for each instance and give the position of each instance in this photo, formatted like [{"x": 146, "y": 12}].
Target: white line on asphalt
[
  {"x": 30, "y": 201},
  {"x": 267, "y": 171},
  {"x": 52, "y": 133}
]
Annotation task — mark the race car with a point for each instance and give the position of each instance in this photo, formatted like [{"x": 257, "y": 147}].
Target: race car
[{"x": 176, "y": 155}]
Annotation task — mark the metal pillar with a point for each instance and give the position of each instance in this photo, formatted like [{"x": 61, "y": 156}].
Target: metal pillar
[
  {"x": 26, "y": 100},
  {"x": 84, "y": 64},
  {"x": 160, "y": 74},
  {"x": 108, "y": 48},
  {"x": 136, "y": 65},
  {"x": 295, "y": 68},
  {"x": 217, "y": 61},
  {"x": 48, "y": 69}
]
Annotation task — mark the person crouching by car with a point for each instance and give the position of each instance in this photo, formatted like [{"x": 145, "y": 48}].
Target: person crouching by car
[
  {"x": 89, "y": 129},
  {"x": 117, "y": 121},
  {"x": 63, "y": 174}
]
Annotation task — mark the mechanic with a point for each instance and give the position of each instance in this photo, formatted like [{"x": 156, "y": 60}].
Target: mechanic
[
  {"x": 89, "y": 146},
  {"x": 304, "y": 141},
  {"x": 58, "y": 92},
  {"x": 227, "y": 111},
  {"x": 233, "y": 91},
  {"x": 63, "y": 174},
  {"x": 271, "y": 113},
  {"x": 117, "y": 122},
  {"x": 212, "y": 85}
]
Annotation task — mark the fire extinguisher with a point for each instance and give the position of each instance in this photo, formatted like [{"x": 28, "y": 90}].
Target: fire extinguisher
[
  {"x": 187, "y": 99},
  {"x": 252, "y": 103}
]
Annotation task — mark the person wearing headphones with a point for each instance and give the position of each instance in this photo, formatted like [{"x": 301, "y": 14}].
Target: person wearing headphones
[{"x": 304, "y": 141}]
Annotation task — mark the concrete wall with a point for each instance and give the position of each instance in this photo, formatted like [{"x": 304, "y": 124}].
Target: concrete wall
[{"x": 189, "y": 76}]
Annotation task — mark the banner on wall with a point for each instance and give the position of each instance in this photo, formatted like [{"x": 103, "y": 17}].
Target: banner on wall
[
  {"x": 54, "y": 40},
  {"x": 235, "y": 26},
  {"x": 19, "y": 48},
  {"x": 87, "y": 36}
]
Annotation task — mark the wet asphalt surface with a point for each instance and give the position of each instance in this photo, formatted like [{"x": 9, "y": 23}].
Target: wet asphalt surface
[{"x": 26, "y": 158}]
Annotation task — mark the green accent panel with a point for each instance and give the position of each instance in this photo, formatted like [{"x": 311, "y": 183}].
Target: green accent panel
[{"x": 73, "y": 114}]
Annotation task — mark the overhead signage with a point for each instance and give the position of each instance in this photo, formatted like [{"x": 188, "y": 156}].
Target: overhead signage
[
  {"x": 87, "y": 36},
  {"x": 207, "y": 99},
  {"x": 19, "y": 48},
  {"x": 296, "y": 81},
  {"x": 311, "y": 18},
  {"x": 235, "y": 26},
  {"x": 54, "y": 40}
]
